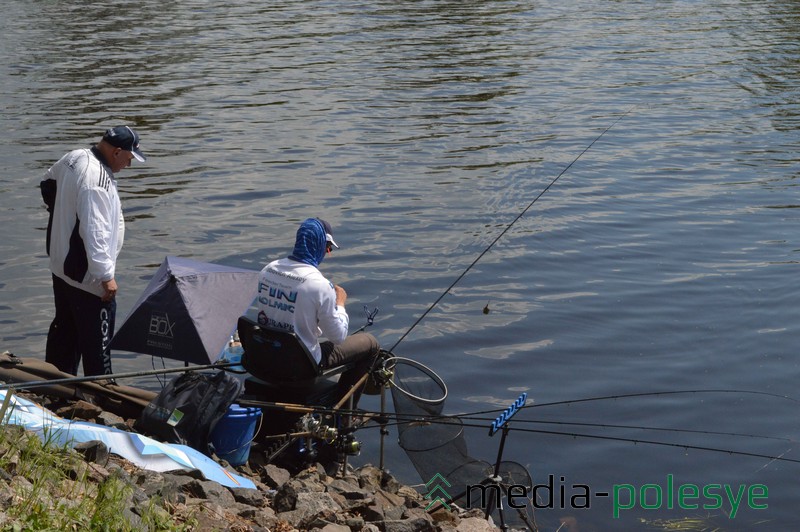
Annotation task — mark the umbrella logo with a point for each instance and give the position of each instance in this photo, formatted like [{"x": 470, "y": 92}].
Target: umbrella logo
[
  {"x": 160, "y": 332},
  {"x": 160, "y": 325}
]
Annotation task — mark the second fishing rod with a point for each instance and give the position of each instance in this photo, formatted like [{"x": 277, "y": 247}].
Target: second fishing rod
[{"x": 510, "y": 225}]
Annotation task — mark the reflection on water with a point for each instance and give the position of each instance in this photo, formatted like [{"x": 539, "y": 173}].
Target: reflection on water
[{"x": 662, "y": 259}]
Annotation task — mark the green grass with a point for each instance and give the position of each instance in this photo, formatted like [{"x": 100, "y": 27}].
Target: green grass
[{"x": 50, "y": 487}]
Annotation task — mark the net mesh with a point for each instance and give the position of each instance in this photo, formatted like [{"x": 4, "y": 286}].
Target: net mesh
[{"x": 435, "y": 443}]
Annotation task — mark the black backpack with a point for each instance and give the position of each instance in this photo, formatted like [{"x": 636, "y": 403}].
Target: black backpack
[{"x": 188, "y": 408}]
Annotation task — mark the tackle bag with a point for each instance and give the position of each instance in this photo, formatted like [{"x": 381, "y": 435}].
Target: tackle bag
[{"x": 188, "y": 409}]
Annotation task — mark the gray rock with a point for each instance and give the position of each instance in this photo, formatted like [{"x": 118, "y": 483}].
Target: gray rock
[
  {"x": 314, "y": 473},
  {"x": 93, "y": 451},
  {"x": 316, "y": 503},
  {"x": 394, "y": 513},
  {"x": 274, "y": 476},
  {"x": 138, "y": 497},
  {"x": 111, "y": 420},
  {"x": 249, "y": 497},
  {"x": 333, "y": 527},
  {"x": 347, "y": 490},
  {"x": 442, "y": 518},
  {"x": 190, "y": 473},
  {"x": 146, "y": 478},
  {"x": 6, "y": 497},
  {"x": 475, "y": 524},
  {"x": 389, "y": 500},
  {"x": 355, "y": 523},
  {"x": 416, "y": 524},
  {"x": 369, "y": 477},
  {"x": 171, "y": 488},
  {"x": 133, "y": 519},
  {"x": 310, "y": 506},
  {"x": 285, "y": 499},
  {"x": 80, "y": 410},
  {"x": 119, "y": 472},
  {"x": 266, "y": 518},
  {"x": 389, "y": 483},
  {"x": 372, "y": 513},
  {"x": 211, "y": 491},
  {"x": 308, "y": 484}
]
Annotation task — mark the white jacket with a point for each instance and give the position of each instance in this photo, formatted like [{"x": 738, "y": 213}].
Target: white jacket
[
  {"x": 88, "y": 227},
  {"x": 295, "y": 296}
]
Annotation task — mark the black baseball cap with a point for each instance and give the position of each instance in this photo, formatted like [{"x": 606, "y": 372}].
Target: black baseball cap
[
  {"x": 125, "y": 138},
  {"x": 328, "y": 232}
]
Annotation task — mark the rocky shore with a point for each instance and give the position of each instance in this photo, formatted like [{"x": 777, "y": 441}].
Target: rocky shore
[{"x": 315, "y": 498}]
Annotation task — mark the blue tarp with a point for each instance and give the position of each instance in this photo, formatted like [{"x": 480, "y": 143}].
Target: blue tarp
[{"x": 142, "y": 451}]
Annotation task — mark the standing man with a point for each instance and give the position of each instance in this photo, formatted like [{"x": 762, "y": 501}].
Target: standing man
[
  {"x": 293, "y": 295},
  {"x": 84, "y": 238}
]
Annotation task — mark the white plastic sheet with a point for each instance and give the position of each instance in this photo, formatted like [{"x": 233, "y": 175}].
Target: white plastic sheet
[{"x": 140, "y": 450}]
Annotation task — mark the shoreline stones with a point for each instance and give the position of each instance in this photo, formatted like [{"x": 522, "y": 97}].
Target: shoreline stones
[{"x": 365, "y": 499}]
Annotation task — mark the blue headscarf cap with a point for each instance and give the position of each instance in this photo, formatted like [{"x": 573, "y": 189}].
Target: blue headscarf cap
[{"x": 309, "y": 245}]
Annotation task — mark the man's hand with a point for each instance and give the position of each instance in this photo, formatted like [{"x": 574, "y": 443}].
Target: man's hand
[
  {"x": 341, "y": 295},
  {"x": 110, "y": 288}
]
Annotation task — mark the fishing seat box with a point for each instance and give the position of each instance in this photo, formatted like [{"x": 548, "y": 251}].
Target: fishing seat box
[{"x": 282, "y": 370}]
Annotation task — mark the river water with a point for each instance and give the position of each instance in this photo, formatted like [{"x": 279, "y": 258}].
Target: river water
[{"x": 662, "y": 259}]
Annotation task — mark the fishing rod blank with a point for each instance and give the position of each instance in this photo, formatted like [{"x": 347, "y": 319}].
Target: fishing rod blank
[
  {"x": 638, "y": 395},
  {"x": 509, "y": 226},
  {"x": 660, "y": 443},
  {"x": 640, "y": 427},
  {"x": 111, "y": 376},
  {"x": 458, "y": 425}
]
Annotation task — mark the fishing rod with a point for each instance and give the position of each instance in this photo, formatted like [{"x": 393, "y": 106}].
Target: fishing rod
[
  {"x": 651, "y": 442},
  {"x": 442, "y": 421},
  {"x": 111, "y": 376},
  {"x": 781, "y": 458},
  {"x": 401, "y": 419},
  {"x": 674, "y": 392},
  {"x": 634, "y": 395},
  {"x": 639, "y": 427},
  {"x": 473, "y": 415},
  {"x": 509, "y": 226}
]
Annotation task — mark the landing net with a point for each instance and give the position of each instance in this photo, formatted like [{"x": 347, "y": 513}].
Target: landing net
[{"x": 436, "y": 443}]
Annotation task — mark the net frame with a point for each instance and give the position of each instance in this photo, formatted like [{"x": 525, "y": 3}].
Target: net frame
[{"x": 392, "y": 364}]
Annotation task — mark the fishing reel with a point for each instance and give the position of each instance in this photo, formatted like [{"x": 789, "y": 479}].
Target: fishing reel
[
  {"x": 349, "y": 445},
  {"x": 317, "y": 435},
  {"x": 381, "y": 374},
  {"x": 317, "y": 429}
]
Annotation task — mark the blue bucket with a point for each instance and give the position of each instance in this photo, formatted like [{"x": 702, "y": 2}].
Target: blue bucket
[{"x": 234, "y": 433}]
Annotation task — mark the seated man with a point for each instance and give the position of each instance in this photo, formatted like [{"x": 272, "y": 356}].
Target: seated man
[{"x": 294, "y": 295}]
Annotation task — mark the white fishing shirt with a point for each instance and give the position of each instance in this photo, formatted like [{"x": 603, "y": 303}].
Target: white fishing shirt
[
  {"x": 296, "y": 297},
  {"x": 86, "y": 196}
]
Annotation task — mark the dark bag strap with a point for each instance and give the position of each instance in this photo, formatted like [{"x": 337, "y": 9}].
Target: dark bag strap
[
  {"x": 200, "y": 399},
  {"x": 48, "y": 188}
]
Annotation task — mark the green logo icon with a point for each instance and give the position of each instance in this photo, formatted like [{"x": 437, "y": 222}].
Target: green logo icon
[{"x": 436, "y": 493}]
